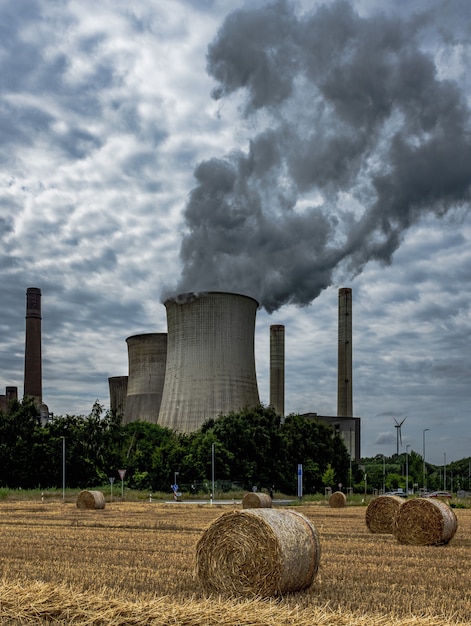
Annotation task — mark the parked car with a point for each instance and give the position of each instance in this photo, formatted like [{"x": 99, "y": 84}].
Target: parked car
[
  {"x": 396, "y": 493},
  {"x": 439, "y": 494}
]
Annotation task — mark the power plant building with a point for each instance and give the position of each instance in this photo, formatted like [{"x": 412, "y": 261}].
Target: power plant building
[
  {"x": 210, "y": 358},
  {"x": 147, "y": 357},
  {"x": 118, "y": 386}
]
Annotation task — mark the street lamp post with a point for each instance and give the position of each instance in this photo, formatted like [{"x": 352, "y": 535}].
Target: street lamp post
[
  {"x": 212, "y": 472},
  {"x": 424, "y": 477},
  {"x": 384, "y": 475},
  {"x": 63, "y": 469},
  {"x": 444, "y": 471},
  {"x": 407, "y": 470}
]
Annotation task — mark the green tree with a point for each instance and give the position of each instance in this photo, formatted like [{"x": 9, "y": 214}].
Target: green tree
[
  {"x": 315, "y": 445},
  {"x": 328, "y": 476}
]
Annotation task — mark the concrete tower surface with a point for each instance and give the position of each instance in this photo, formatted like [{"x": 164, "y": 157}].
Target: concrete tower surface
[
  {"x": 147, "y": 356},
  {"x": 33, "y": 359},
  {"x": 277, "y": 368},
  {"x": 118, "y": 391},
  {"x": 344, "y": 390},
  {"x": 210, "y": 360}
]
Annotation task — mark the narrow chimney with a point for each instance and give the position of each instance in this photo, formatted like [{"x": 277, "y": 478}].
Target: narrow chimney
[
  {"x": 33, "y": 361},
  {"x": 344, "y": 391},
  {"x": 277, "y": 368}
]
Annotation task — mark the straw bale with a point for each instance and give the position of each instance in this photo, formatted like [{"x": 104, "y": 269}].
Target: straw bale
[
  {"x": 258, "y": 552},
  {"x": 91, "y": 500},
  {"x": 256, "y": 501},
  {"x": 425, "y": 522},
  {"x": 381, "y": 513},
  {"x": 337, "y": 500}
]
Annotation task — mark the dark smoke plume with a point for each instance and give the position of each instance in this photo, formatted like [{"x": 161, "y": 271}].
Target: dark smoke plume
[{"x": 360, "y": 138}]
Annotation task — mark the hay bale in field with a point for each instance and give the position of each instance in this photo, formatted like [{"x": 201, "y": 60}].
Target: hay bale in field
[
  {"x": 337, "y": 500},
  {"x": 258, "y": 552},
  {"x": 381, "y": 513},
  {"x": 425, "y": 522},
  {"x": 256, "y": 501},
  {"x": 91, "y": 500}
]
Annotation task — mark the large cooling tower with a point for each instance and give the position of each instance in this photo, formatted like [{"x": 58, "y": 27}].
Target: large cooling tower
[
  {"x": 118, "y": 386},
  {"x": 33, "y": 361},
  {"x": 147, "y": 356},
  {"x": 210, "y": 358},
  {"x": 277, "y": 368},
  {"x": 344, "y": 390}
]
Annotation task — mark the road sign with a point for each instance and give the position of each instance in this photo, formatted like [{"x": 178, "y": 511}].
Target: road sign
[{"x": 122, "y": 474}]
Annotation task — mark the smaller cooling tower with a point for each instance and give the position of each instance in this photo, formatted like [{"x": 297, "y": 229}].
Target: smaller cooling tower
[
  {"x": 210, "y": 359},
  {"x": 147, "y": 356},
  {"x": 118, "y": 391},
  {"x": 344, "y": 388},
  {"x": 277, "y": 368},
  {"x": 33, "y": 359}
]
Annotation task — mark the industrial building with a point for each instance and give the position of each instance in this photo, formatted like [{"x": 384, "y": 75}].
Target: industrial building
[
  {"x": 202, "y": 367},
  {"x": 208, "y": 368}
]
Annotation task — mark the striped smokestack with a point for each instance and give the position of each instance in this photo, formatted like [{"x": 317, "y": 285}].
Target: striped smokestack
[
  {"x": 33, "y": 360},
  {"x": 344, "y": 391},
  {"x": 277, "y": 368}
]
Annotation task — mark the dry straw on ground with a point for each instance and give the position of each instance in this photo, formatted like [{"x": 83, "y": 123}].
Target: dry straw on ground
[
  {"x": 42, "y": 604},
  {"x": 381, "y": 513},
  {"x": 91, "y": 500},
  {"x": 337, "y": 500},
  {"x": 425, "y": 522},
  {"x": 263, "y": 552},
  {"x": 256, "y": 501}
]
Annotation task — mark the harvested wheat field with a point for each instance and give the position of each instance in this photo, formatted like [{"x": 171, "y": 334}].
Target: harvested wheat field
[{"x": 134, "y": 563}]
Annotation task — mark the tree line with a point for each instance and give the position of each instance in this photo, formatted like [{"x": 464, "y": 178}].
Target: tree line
[{"x": 251, "y": 448}]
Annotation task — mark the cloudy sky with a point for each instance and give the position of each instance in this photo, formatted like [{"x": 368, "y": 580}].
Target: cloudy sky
[{"x": 281, "y": 150}]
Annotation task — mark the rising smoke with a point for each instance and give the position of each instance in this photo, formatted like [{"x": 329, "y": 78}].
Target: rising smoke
[{"x": 359, "y": 136}]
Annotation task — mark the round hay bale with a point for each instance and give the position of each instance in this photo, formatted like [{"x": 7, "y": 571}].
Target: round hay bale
[
  {"x": 258, "y": 552},
  {"x": 381, "y": 513},
  {"x": 425, "y": 522},
  {"x": 91, "y": 500},
  {"x": 337, "y": 500},
  {"x": 256, "y": 501}
]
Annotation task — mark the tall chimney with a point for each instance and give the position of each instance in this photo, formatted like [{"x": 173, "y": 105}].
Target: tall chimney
[
  {"x": 33, "y": 361},
  {"x": 344, "y": 390},
  {"x": 147, "y": 356},
  {"x": 277, "y": 368},
  {"x": 210, "y": 359}
]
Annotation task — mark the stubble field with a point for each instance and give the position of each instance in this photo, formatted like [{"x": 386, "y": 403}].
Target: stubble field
[{"x": 133, "y": 563}]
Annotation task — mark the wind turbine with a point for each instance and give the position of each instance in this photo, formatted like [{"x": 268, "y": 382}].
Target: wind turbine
[{"x": 398, "y": 434}]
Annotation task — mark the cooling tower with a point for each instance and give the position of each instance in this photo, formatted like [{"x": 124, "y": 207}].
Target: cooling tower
[
  {"x": 210, "y": 358},
  {"x": 33, "y": 363},
  {"x": 277, "y": 368},
  {"x": 344, "y": 390},
  {"x": 147, "y": 356},
  {"x": 118, "y": 391}
]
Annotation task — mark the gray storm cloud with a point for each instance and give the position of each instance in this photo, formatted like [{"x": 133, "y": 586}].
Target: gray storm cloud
[{"x": 358, "y": 137}]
